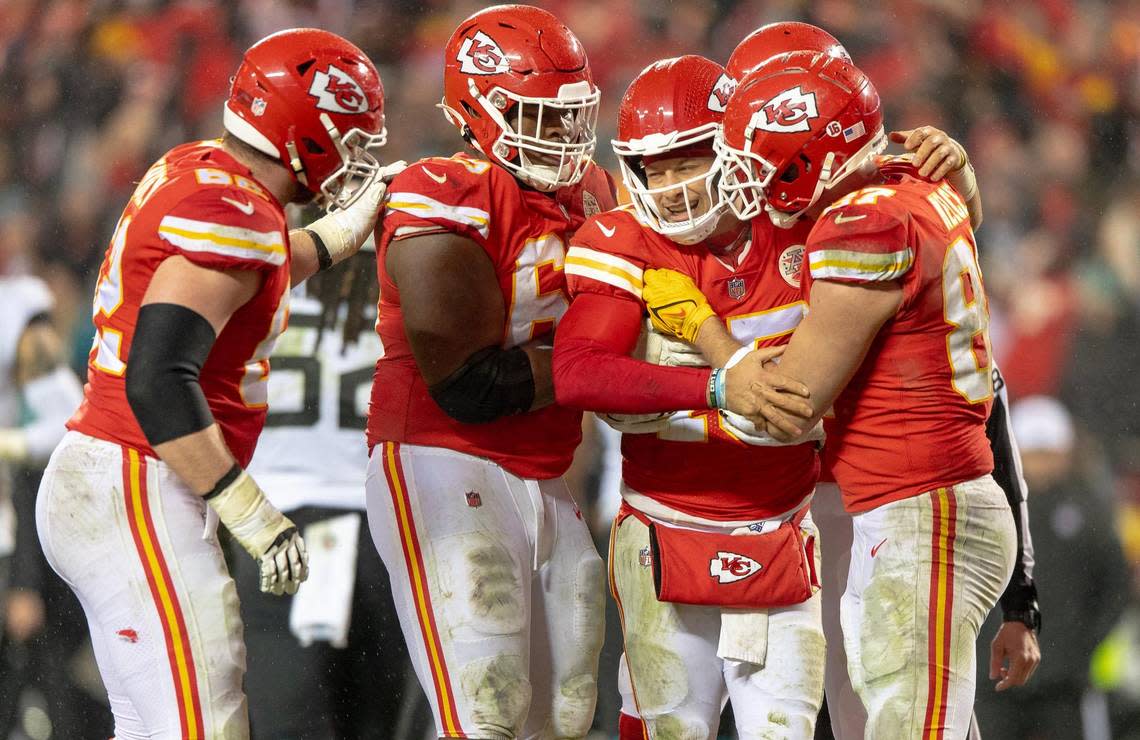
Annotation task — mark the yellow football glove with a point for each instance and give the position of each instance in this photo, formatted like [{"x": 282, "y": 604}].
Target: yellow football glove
[{"x": 677, "y": 307}]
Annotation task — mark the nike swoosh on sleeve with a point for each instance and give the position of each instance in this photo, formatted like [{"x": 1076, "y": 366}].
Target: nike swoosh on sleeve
[
  {"x": 246, "y": 208},
  {"x": 441, "y": 179}
]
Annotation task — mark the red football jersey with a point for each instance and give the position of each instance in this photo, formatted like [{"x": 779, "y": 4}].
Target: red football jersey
[
  {"x": 695, "y": 465},
  {"x": 202, "y": 204},
  {"x": 524, "y": 232},
  {"x": 913, "y": 417}
]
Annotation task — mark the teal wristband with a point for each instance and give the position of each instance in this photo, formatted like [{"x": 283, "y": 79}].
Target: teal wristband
[{"x": 719, "y": 392}]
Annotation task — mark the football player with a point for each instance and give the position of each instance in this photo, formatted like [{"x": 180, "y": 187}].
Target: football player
[
  {"x": 497, "y": 583},
  {"x": 897, "y": 307},
  {"x": 190, "y": 299},
  {"x": 935, "y": 156},
  {"x": 707, "y": 614}
]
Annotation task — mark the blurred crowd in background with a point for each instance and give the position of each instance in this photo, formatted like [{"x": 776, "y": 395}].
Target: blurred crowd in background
[{"x": 1043, "y": 93}]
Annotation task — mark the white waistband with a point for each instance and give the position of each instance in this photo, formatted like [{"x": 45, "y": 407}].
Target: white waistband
[{"x": 669, "y": 516}]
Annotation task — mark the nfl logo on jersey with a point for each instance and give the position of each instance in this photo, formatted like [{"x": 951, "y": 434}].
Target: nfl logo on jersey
[
  {"x": 644, "y": 557},
  {"x": 736, "y": 288},
  {"x": 474, "y": 500}
]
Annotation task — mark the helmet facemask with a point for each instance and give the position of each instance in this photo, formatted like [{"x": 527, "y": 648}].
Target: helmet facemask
[
  {"x": 696, "y": 223},
  {"x": 744, "y": 179},
  {"x": 546, "y": 142},
  {"x": 357, "y": 149}
]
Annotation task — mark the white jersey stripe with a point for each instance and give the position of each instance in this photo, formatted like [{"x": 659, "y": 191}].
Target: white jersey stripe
[
  {"x": 602, "y": 276},
  {"x": 230, "y": 241},
  {"x": 415, "y": 204},
  {"x": 775, "y": 322},
  {"x": 842, "y": 263},
  {"x": 592, "y": 255}
]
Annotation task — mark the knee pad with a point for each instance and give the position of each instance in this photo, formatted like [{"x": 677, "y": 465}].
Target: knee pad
[
  {"x": 497, "y": 691},
  {"x": 674, "y": 727},
  {"x": 486, "y": 583},
  {"x": 573, "y": 706}
]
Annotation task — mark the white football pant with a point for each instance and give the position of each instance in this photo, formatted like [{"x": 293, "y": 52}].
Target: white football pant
[
  {"x": 679, "y": 684},
  {"x": 499, "y": 590},
  {"x": 924, "y": 573},
  {"x": 134, "y": 545}
]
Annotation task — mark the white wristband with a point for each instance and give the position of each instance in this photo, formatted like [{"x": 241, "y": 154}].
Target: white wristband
[{"x": 738, "y": 355}]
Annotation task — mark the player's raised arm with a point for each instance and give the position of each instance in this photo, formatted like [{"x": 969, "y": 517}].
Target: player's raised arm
[
  {"x": 937, "y": 155},
  {"x": 337, "y": 236}
]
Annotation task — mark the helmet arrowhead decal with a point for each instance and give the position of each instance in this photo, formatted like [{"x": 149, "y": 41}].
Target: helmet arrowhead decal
[
  {"x": 480, "y": 55},
  {"x": 790, "y": 111},
  {"x": 336, "y": 92},
  {"x": 721, "y": 92}
]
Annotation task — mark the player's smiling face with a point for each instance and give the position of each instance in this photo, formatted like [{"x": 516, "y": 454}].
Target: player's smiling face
[{"x": 680, "y": 186}]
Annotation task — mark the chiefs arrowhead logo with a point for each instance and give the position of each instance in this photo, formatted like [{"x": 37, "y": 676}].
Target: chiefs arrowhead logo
[
  {"x": 791, "y": 263},
  {"x": 721, "y": 92},
  {"x": 480, "y": 55},
  {"x": 790, "y": 111},
  {"x": 729, "y": 567},
  {"x": 336, "y": 92}
]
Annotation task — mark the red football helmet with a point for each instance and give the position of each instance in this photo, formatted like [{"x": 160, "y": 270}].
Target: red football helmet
[
  {"x": 673, "y": 108},
  {"x": 798, "y": 125},
  {"x": 517, "y": 84},
  {"x": 313, "y": 101},
  {"x": 780, "y": 38}
]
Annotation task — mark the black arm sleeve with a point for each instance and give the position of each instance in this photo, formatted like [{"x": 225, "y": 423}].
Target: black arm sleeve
[
  {"x": 169, "y": 348},
  {"x": 493, "y": 382},
  {"x": 1021, "y": 594}
]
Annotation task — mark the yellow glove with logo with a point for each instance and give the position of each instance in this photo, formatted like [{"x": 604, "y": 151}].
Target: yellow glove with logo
[{"x": 677, "y": 307}]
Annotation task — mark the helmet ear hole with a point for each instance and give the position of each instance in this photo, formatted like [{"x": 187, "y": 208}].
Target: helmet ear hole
[
  {"x": 793, "y": 171},
  {"x": 470, "y": 109},
  {"x": 303, "y": 67},
  {"x": 312, "y": 146}
]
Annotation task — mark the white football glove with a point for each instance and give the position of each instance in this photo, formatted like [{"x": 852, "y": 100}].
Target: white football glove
[
  {"x": 666, "y": 350},
  {"x": 743, "y": 429},
  {"x": 265, "y": 533},
  {"x": 344, "y": 231}
]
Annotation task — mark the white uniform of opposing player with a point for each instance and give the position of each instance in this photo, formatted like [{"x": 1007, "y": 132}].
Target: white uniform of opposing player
[{"x": 312, "y": 452}]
